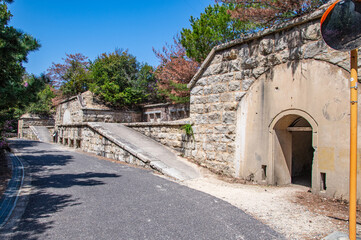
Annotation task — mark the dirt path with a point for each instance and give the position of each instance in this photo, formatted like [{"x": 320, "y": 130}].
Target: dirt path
[{"x": 292, "y": 210}]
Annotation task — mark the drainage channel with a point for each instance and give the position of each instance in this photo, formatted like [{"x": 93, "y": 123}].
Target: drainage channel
[{"x": 10, "y": 197}]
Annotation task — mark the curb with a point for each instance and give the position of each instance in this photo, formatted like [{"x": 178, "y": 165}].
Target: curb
[{"x": 10, "y": 197}]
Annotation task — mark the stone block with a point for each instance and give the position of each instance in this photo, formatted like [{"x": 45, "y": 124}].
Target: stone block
[
  {"x": 230, "y": 106},
  {"x": 246, "y": 84},
  {"x": 234, "y": 86},
  {"x": 257, "y": 72},
  {"x": 226, "y": 97},
  {"x": 311, "y": 32},
  {"x": 266, "y": 46},
  {"x": 213, "y": 98},
  {"x": 214, "y": 118},
  {"x": 229, "y": 118},
  {"x": 217, "y": 107},
  {"x": 198, "y": 90},
  {"x": 244, "y": 51},
  {"x": 220, "y": 88},
  {"x": 202, "y": 82},
  {"x": 207, "y": 90},
  {"x": 280, "y": 42},
  {"x": 230, "y": 55},
  {"x": 221, "y": 147},
  {"x": 200, "y": 100},
  {"x": 250, "y": 63},
  {"x": 213, "y": 80},
  {"x": 208, "y": 147},
  {"x": 233, "y": 66},
  {"x": 226, "y": 77},
  {"x": 218, "y": 58}
]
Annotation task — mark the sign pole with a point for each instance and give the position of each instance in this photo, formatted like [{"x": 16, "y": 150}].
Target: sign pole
[{"x": 353, "y": 147}]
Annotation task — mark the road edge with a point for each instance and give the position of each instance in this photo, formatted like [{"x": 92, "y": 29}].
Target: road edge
[{"x": 16, "y": 195}]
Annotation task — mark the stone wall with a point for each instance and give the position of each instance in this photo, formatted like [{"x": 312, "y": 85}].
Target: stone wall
[
  {"x": 249, "y": 91},
  {"x": 167, "y": 133},
  {"x": 165, "y": 112},
  {"x": 87, "y": 108},
  {"x": 231, "y": 69},
  {"x": 28, "y": 120},
  {"x": 89, "y": 139},
  {"x": 97, "y": 115}
]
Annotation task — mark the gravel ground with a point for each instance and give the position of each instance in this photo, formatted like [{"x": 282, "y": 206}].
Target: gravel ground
[{"x": 291, "y": 210}]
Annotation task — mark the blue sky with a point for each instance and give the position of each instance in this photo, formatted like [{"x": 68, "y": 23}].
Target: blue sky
[{"x": 93, "y": 27}]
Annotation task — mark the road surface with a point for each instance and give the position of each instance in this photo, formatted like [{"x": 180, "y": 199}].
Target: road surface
[{"x": 78, "y": 196}]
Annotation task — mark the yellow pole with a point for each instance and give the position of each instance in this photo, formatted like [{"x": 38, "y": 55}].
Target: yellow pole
[{"x": 353, "y": 147}]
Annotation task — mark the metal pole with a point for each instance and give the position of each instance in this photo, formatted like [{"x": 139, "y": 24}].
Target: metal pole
[{"x": 353, "y": 147}]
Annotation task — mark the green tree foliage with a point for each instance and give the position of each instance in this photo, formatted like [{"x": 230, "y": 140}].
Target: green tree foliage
[
  {"x": 14, "y": 48},
  {"x": 213, "y": 27},
  {"x": 43, "y": 105},
  {"x": 71, "y": 76},
  {"x": 120, "y": 80}
]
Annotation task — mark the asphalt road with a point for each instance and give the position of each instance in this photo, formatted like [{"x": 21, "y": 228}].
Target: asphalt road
[{"x": 77, "y": 196}]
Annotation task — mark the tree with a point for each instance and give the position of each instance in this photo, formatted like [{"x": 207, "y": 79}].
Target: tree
[
  {"x": 72, "y": 76},
  {"x": 174, "y": 72},
  {"x": 120, "y": 80},
  {"x": 43, "y": 105},
  {"x": 213, "y": 27},
  {"x": 269, "y": 12},
  {"x": 14, "y": 48}
]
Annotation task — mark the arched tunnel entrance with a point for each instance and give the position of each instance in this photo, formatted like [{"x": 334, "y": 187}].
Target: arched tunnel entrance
[{"x": 293, "y": 151}]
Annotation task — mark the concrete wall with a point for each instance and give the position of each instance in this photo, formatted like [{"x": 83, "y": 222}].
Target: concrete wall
[{"x": 250, "y": 91}]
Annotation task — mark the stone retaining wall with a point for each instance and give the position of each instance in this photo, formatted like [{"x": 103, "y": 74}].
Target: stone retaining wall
[
  {"x": 86, "y": 108},
  {"x": 169, "y": 134},
  {"x": 92, "y": 140},
  {"x": 232, "y": 69},
  {"x": 28, "y": 120}
]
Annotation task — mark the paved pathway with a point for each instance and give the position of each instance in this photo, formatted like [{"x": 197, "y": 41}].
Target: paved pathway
[{"x": 77, "y": 196}]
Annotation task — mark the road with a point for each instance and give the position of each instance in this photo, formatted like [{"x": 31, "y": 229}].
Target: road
[{"x": 78, "y": 196}]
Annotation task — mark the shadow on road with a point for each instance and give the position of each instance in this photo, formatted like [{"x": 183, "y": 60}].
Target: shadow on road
[{"x": 48, "y": 177}]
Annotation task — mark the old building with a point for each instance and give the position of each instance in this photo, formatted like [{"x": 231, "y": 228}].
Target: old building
[{"x": 274, "y": 108}]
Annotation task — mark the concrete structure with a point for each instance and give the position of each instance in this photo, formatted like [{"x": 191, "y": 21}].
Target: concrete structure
[
  {"x": 121, "y": 143},
  {"x": 163, "y": 112},
  {"x": 28, "y": 122},
  {"x": 87, "y": 108},
  {"x": 274, "y": 108}
]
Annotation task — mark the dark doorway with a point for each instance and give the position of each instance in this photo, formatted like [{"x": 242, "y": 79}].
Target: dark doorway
[{"x": 302, "y": 152}]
